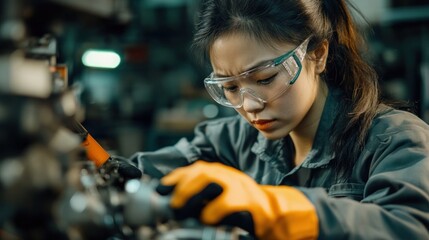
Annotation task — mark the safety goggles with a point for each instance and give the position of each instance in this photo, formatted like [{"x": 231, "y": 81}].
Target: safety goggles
[{"x": 264, "y": 83}]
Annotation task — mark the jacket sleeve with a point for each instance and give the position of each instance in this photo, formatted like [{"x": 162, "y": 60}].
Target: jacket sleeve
[
  {"x": 214, "y": 141},
  {"x": 396, "y": 195}
]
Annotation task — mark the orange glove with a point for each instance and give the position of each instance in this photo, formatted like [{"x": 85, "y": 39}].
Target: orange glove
[{"x": 225, "y": 195}]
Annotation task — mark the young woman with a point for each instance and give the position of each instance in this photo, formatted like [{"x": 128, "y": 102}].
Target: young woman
[{"x": 313, "y": 152}]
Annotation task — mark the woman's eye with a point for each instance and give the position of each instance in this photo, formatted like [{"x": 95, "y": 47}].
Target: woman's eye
[
  {"x": 267, "y": 81},
  {"x": 230, "y": 88}
]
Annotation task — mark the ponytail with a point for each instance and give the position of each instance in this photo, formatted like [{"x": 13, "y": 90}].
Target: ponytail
[{"x": 347, "y": 69}]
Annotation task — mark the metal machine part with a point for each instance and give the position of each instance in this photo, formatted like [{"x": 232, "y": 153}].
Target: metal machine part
[{"x": 50, "y": 189}]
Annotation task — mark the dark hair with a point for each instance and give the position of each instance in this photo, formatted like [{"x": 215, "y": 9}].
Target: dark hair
[{"x": 293, "y": 21}]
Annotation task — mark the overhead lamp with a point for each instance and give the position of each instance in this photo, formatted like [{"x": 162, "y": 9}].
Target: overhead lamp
[{"x": 101, "y": 59}]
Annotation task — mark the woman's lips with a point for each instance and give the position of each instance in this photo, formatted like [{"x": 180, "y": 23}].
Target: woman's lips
[{"x": 263, "y": 124}]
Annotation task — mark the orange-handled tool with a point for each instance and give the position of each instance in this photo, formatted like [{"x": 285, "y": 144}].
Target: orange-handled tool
[{"x": 94, "y": 151}]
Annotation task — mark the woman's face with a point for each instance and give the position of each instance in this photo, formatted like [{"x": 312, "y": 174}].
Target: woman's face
[{"x": 297, "y": 110}]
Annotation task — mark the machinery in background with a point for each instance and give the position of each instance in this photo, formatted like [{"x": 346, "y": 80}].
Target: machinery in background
[
  {"x": 53, "y": 186},
  {"x": 56, "y": 181},
  {"x": 37, "y": 149}
]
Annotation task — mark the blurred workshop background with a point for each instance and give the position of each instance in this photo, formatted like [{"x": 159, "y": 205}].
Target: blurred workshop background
[{"x": 146, "y": 91}]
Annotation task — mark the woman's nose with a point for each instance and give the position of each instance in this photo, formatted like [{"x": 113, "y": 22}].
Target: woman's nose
[{"x": 252, "y": 103}]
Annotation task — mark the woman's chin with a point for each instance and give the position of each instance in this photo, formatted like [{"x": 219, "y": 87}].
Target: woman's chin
[{"x": 273, "y": 135}]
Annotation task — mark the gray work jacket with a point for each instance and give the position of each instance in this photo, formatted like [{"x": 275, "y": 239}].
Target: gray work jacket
[{"x": 386, "y": 197}]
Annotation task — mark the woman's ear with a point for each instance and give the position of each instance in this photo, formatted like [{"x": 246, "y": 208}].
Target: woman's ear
[{"x": 320, "y": 56}]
